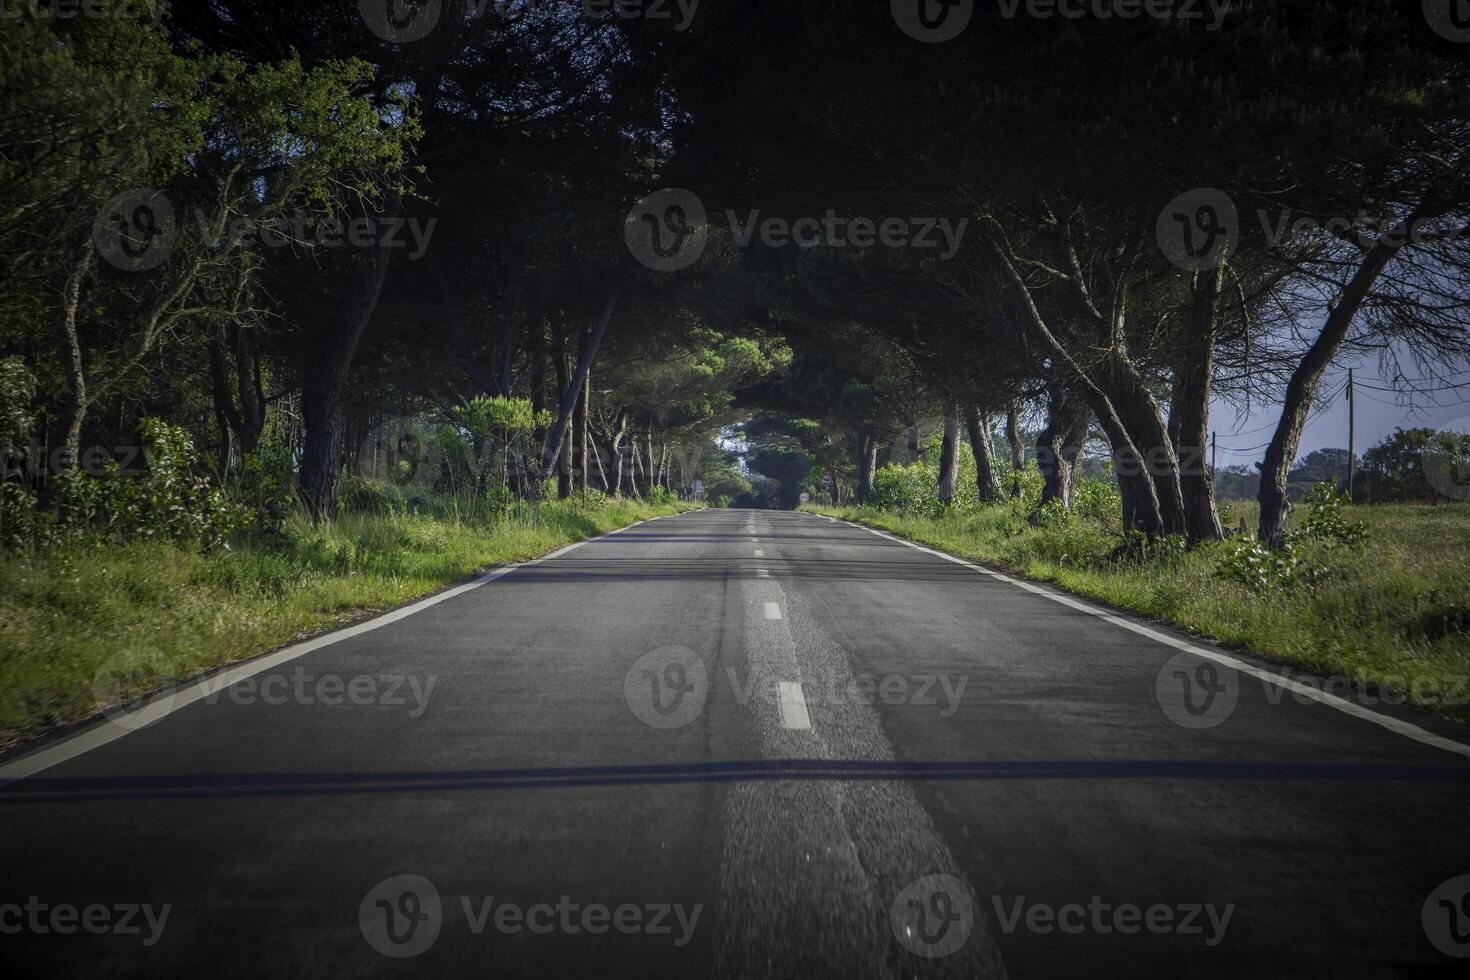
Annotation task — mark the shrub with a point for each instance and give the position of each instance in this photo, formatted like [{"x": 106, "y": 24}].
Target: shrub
[
  {"x": 1290, "y": 568},
  {"x": 1326, "y": 522},
  {"x": 909, "y": 489},
  {"x": 1097, "y": 499},
  {"x": 169, "y": 501},
  {"x": 364, "y": 496},
  {"x": 265, "y": 483},
  {"x": 1261, "y": 570}
]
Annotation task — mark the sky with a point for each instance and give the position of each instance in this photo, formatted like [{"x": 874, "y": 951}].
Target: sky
[{"x": 1378, "y": 414}]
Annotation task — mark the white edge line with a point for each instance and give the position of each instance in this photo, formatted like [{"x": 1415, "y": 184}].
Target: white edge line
[
  {"x": 1396, "y": 725},
  {"x": 162, "y": 705}
]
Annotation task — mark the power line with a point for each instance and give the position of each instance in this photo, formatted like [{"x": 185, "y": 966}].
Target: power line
[
  {"x": 1249, "y": 449},
  {"x": 1327, "y": 400},
  {"x": 1416, "y": 391}
]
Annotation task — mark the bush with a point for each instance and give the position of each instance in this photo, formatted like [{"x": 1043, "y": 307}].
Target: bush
[
  {"x": 360, "y": 495},
  {"x": 1323, "y": 529},
  {"x": 1261, "y": 570},
  {"x": 169, "y": 501},
  {"x": 265, "y": 483},
  {"x": 1097, "y": 500},
  {"x": 1326, "y": 522}
]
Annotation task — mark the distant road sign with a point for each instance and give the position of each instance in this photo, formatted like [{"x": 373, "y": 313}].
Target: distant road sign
[{"x": 806, "y": 498}]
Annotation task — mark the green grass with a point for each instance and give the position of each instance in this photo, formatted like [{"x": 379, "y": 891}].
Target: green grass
[
  {"x": 76, "y": 612},
  {"x": 1393, "y": 616}
]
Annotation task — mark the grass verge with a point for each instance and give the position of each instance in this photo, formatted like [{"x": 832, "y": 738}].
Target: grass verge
[
  {"x": 75, "y": 618},
  {"x": 1390, "y": 622}
]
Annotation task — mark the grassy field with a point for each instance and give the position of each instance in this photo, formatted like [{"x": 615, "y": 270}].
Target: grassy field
[
  {"x": 156, "y": 612},
  {"x": 1388, "y": 623}
]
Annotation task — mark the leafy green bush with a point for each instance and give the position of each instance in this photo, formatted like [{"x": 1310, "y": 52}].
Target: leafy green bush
[
  {"x": 1326, "y": 521},
  {"x": 169, "y": 501},
  {"x": 265, "y": 483},
  {"x": 1097, "y": 500},
  {"x": 360, "y": 495},
  {"x": 17, "y": 387},
  {"x": 1261, "y": 570},
  {"x": 1303, "y": 559},
  {"x": 906, "y": 489}
]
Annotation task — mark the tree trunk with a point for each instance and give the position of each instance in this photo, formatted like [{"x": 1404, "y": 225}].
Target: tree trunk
[
  {"x": 949, "y": 458},
  {"x": 1301, "y": 391},
  {"x": 635, "y": 468},
  {"x": 619, "y": 451},
  {"x": 241, "y": 411},
  {"x": 559, "y": 371},
  {"x": 76, "y": 368},
  {"x": 1073, "y": 442},
  {"x": 597, "y": 458},
  {"x": 582, "y": 408},
  {"x": 986, "y": 484},
  {"x": 1054, "y": 457},
  {"x": 1018, "y": 448},
  {"x": 1149, "y": 433},
  {"x": 867, "y": 467},
  {"x": 569, "y": 401},
  {"x": 1190, "y": 418},
  {"x": 324, "y": 387},
  {"x": 650, "y": 470}
]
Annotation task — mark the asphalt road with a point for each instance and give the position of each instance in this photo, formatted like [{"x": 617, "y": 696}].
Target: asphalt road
[{"x": 741, "y": 743}]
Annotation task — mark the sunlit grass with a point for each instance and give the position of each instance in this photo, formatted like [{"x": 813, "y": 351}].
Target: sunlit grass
[
  {"x": 67, "y": 614},
  {"x": 1394, "y": 613}
]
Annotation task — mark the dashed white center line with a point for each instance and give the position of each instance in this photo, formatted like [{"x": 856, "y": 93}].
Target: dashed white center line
[
  {"x": 793, "y": 706},
  {"x": 773, "y": 610},
  {"x": 762, "y": 573},
  {"x": 759, "y": 553}
]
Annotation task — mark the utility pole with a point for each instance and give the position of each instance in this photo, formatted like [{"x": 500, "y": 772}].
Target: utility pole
[
  {"x": 1352, "y": 434},
  {"x": 1213, "y": 470}
]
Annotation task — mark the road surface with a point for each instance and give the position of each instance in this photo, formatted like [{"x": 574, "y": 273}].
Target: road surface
[{"x": 737, "y": 743}]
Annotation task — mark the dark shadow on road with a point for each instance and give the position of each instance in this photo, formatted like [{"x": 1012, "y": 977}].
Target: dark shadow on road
[{"x": 38, "y": 790}]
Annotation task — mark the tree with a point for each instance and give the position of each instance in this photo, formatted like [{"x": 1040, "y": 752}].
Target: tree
[{"x": 1416, "y": 464}]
